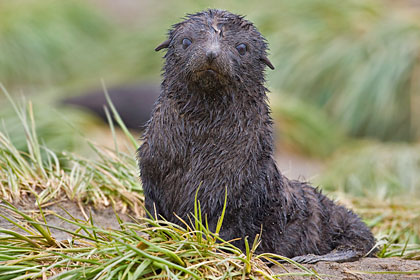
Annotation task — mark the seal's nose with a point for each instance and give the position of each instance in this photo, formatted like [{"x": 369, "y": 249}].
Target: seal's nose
[{"x": 211, "y": 55}]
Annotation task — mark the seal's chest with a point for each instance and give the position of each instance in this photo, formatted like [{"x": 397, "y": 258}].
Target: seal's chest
[{"x": 215, "y": 134}]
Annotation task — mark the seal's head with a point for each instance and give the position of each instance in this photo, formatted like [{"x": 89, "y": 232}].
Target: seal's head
[{"x": 212, "y": 49}]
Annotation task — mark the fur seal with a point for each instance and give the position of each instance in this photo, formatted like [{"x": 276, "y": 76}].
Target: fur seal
[{"x": 211, "y": 131}]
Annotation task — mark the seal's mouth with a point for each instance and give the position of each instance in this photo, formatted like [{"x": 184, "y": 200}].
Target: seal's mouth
[{"x": 209, "y": 70}]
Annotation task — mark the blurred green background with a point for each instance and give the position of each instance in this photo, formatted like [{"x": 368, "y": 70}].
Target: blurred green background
[{"x": 345, "y": 93}]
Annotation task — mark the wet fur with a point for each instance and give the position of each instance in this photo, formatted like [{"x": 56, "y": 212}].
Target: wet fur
[{"x": 213, "y": 130}]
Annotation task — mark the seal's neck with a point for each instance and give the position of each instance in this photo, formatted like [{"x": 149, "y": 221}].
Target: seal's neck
[
  {"x": 223, "y": 96},
  {"x": 228, "y": 104}
]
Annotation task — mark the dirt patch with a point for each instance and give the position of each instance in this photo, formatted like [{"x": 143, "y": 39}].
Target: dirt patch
[
  {"x": 366, "y": 268},
  {"x": 103, "y": 218}
]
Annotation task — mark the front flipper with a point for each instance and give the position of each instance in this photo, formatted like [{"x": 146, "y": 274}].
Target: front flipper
[{"x": 334, "y": 256}]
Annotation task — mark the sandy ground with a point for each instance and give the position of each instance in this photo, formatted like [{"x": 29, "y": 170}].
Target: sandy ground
[{"x": 366, "y": 268}]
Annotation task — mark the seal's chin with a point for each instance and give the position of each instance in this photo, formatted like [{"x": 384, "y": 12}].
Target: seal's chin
[
  {"x": 208, "y": 71},
  {"x": 209, "y": 79}
]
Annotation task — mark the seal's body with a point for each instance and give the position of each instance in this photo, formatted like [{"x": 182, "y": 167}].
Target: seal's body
[{"x": 211, "y": 130}]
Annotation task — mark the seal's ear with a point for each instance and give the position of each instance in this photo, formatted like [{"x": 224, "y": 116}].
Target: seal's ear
[
  {"x": 267, "y": 62},
  {"x": 164, "y": 45}
]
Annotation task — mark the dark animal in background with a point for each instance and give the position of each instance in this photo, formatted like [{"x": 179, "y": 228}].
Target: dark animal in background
[
  {"x": 211, "y": 129},
  {"x": 134, "y": 103}
]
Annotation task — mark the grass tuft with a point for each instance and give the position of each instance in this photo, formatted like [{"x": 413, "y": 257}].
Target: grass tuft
[
  {"x": 108, "y": 177},
  {"x": 148, "y": 249}
]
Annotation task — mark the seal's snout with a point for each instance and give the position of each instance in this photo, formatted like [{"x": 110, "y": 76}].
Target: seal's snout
[
  {"x": 212, "y": 50},
  {"x": 211, "y": 55},
  {"x": 210, "y": 67}
]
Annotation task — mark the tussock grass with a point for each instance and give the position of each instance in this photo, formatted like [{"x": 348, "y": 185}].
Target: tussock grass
[
  {"x": 107, "y": 177},
  {"x": 40, "y": 40},
  {"x": 72, "y": 44},
  {"x": 357, "y": 59},
  {"x": 161, "y": 250},
  {"x": 148, "y": 249}
]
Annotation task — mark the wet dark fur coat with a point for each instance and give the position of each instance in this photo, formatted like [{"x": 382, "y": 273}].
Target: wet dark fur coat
[{"x": 211, "y": 128}]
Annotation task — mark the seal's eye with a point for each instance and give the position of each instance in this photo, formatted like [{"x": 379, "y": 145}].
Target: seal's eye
[
  {"x": 241, "y": 48},
  {"x": 185, "y": 43}
]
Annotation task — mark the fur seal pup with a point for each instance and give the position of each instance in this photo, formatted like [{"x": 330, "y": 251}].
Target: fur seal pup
[{"x": 211, "y": 130}]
